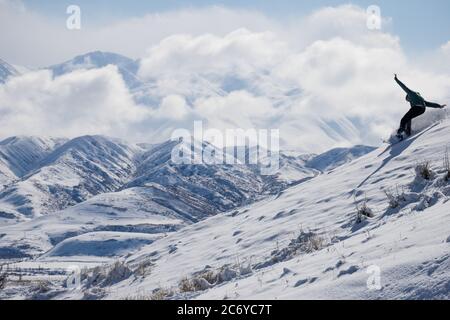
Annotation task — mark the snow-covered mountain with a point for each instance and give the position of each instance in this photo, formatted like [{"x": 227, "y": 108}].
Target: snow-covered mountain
[
  {"x": 127, "y": 67},
  {"x": 384, "y": 211},
  {"x": 318, "y": 239},
  {"x": 70, "y": 174},
  {"x": 384, "y": 214},
  {"x": 314, "y": 241},
  {"x": 100, "y": 184},
  {"x": 6, "y": 70},
  {"x": 20, "y": 155}
]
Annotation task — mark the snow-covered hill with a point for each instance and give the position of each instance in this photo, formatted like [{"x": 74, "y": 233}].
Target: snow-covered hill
[
  {"x": 310, "y": 242},
  {"x": 20, "y": 155},
  {"x": 70, "y": 174},
  {"x": 23, "y": 154}
]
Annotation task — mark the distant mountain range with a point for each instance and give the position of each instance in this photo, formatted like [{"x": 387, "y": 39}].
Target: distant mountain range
[
  {"x": 94, "y": 182},
  {"x": 40, "y": 176}
]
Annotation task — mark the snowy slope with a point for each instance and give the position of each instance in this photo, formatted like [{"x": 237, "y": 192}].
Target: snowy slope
[
  {"x": 127, "y": 67},
  {"x": 212, "y": 189},
  {"x": 73, "y": 172},
  {"x": 133, "y": 210},
  {"x": 157, "y": 190},
  {"x": 125, "y": 188},
  {"x": 20, "y": 155},
  {"x": 410, "y": 244},
  {"x": 336, "y": 157}
]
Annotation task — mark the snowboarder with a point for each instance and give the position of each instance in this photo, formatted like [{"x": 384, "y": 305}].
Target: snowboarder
[{"x": 418, "y": 107}]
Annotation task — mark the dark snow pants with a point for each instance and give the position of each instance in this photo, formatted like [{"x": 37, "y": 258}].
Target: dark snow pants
[{"x": 405, "y": 124}]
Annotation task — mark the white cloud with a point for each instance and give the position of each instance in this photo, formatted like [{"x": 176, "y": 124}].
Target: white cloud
[
  {"x": 173, "y": 107},
  {"x": 240, "y": 51},
  {"x": 343, "y": 70},
  {"x": 82, "y": 102},
  {"x": 324, "y": 81},
  {"x": 446, "y": 48},
  {"x": 39, "y": 41},
  {"x": 239, "y": 109}
]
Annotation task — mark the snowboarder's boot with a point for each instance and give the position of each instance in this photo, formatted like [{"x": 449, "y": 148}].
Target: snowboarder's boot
[{"x": 401, "y": 134}]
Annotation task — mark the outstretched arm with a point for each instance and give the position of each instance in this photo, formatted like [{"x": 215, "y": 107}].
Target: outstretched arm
[
  {"x": 434, "y": 105},
  {"x": 404, "y": 87}
]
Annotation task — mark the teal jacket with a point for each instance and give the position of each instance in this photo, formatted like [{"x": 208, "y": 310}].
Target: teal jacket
[{"x": 415, "y": 99}]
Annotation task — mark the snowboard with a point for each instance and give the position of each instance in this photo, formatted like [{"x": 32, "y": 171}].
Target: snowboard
[{"x": 397, "y": 138}]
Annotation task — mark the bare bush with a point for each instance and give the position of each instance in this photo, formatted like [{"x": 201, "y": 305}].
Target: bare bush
[
  {"x": 446, "y": 165},
  {"x": 193, "y": 285},
  {"x": 362, "y": 210},
  {"x": 395, "y": 197},
  {"x": 103, "y": 276},
  {"x": 186, "y": 285},
  {"x": 157, "y": 294},
  {"x": 161, "y": 294},
  {"x": 208, "y": 275},
  {"x": 308, "y": 242},
  {"x": 423, "y": 170}
]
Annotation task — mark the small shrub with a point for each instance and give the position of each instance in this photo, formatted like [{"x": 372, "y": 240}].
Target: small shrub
[
  {"x": 446, "y": 165},
  {"x": 362, "y": 210},
  {"x": 193, "y": 285},
  {"x": 103, "y": 276},
  {"x": 157, "y": 294},
  {"x": 161, "y": 294},
  {"x": 395, "y": 197},
  {"x": 227, "y": 273},
  {"x": 186, "y": 285},
  {"x": 308, "y": 242},
  {"x": 423, "y": 170},
  {"x": 208, "y": 275}
]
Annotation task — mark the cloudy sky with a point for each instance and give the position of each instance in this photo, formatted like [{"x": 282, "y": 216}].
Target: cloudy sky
[{"x": 310, "y": 68}]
